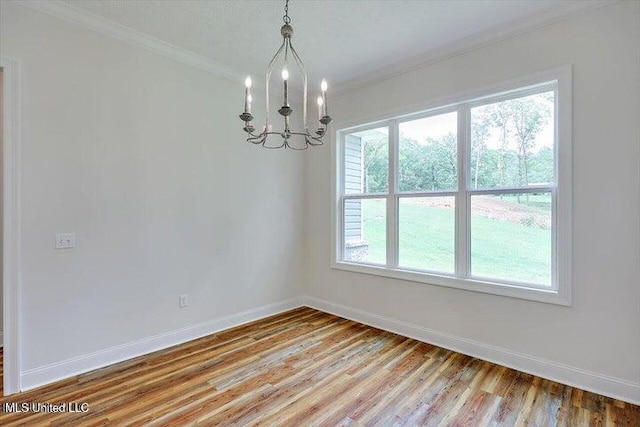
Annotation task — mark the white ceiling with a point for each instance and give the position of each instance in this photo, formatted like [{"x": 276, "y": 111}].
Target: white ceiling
[{"x": 339, "y": 40}]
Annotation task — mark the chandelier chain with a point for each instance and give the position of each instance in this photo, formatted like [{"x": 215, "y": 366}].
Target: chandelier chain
[{"x": 286, "y": 18}]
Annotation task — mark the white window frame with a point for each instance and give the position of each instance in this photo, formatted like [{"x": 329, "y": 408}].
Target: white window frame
[{"x": 560, "y": 80}]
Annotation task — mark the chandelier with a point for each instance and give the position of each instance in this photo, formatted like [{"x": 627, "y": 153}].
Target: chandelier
[{"x": 296, "y": 139}]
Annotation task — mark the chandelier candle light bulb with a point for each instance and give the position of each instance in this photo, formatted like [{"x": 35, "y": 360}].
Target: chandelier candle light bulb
[
  {"x": 323, "y": 87},
  {"x": 298, "y": 139}
]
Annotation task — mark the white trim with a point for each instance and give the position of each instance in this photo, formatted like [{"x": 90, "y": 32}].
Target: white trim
[
  {"x": 616, "y": 388},
  {"x": 11, "y": 224},
  {"x": 472, "y": 43},
  {"x": 336, "y": 178},
  {"x": 393, "y": 208},
  {"x": 521, "y": 291},
  {"x": 564, "y": 183},
  {"x": 99, "y": 24},
  {"x": 462, "y": 201},
  {"x": 43, "y": 375},
  {"x": 1, "y": 339},
  {"x": 560, "y": 291}
]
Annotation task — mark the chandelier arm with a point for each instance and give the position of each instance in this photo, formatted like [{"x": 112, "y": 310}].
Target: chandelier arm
[
  {"x": 287, "y": 44},
  {"x": 297, "y": 147},
  {"x": 314, "y": 144},
  {"x": 253, "y": 137},
  {"x": 275, "y": 57},
  {"x": 322, "y": 131},
  {"x": 267, "y": 78},
  {"x": 297, "y": 59},
  {"x": 318, "y": 141},
  {"x": 300, "y": 63},
  {"x": 307, "y": 135},
  {"x": 293, "y": 147},
  {"x": 264, "y": 144},
  {"x": 256, "y": 139},
  {"x": 260, "y": 138}
]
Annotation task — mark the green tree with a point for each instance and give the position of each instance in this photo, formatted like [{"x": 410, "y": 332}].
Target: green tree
[
  {"x": 501, "y": 118},
  {"x": 376, "y": 163},
  {"x": 432, "y": 164},
  {"x": 480, "y": 132},
  {"x": 529, "y": 117}
]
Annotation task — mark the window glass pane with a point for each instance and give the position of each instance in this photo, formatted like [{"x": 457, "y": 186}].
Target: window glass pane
[
  {"x": 365, "y": 230},
  {"x": 366, "y": 161},
  {"x": 512, "y": 142},
  {"x": 427, "y": 151},
  {"x": 511, "y": 237},
  {"x": 427, "y": 233}
]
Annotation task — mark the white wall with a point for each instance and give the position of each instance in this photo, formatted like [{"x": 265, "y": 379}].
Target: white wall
[
  {"x": 1, "y": 198},
  {"x": 598, "y": 338},
  {"x": 145, "y": 160}
]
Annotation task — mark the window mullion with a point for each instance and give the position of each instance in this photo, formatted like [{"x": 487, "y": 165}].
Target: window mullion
[
  {"x": 462, "y": 197},
  {"x": 392, "y": 202}
]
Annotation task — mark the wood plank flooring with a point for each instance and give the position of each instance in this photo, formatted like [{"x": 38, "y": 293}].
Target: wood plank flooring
[{"x": 305, "y": 367}]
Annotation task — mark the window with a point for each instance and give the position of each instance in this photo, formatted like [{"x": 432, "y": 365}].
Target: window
[{"x": 474, "y": 194}]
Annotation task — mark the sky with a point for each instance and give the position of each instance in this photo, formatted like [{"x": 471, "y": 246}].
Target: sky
[{"x": 438, "y": 126}]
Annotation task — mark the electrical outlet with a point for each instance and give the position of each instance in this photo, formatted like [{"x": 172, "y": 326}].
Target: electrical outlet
[
  {"x": 65, "y": 240},
  {"x": 184, "y": 300}
]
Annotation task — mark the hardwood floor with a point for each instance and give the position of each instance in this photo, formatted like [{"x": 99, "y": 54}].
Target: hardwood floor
[{"x": 305, "y": 367}]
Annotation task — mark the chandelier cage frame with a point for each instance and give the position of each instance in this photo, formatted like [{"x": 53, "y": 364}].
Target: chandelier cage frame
[{"x": 285, "y": 52}]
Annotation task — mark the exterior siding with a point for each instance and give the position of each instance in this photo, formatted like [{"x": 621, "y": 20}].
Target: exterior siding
[{"x": 353, "y": 181}]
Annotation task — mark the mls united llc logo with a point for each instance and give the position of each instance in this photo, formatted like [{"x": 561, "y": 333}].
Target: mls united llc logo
[{"x": 12, "y": 407}]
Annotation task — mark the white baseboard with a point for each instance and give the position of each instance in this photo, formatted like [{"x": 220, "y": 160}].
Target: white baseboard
[
  {"x": 591, "y": 381},
  {"x": 580, "y": 378},
  {"x": 1, "y": 339},
  {"x": 40, "y": 376}
]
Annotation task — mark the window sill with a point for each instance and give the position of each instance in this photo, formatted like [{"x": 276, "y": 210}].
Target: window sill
[{"x": 513, "y": 291}]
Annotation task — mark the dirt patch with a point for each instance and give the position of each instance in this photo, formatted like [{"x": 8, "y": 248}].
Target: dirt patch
[{"x": 495, "y": 208}]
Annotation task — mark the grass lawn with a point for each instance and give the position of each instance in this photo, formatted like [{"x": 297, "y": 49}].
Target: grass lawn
[{"x": 501, "y": 249}]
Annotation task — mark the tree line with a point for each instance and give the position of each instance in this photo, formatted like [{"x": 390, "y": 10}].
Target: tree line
[{"x": 432, "y": 164}]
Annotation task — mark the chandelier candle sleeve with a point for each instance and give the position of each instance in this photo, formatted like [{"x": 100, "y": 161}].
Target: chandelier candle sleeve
[
  {"x": 285, "y": 78},
  {"x": 323, "y": 87},
  {"x": 320, "y": 112},
  {"x": 247, "y": 95}
]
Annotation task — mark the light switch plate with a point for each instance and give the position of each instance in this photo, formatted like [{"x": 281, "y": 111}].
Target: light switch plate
[
  {"x": 184, "y": 300},
  {"x": 65, "y": 240}
]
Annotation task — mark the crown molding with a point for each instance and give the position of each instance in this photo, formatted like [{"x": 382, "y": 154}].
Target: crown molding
[
  {"x": 471, "y": 43},
  {"x": 75, "y": 15}
]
